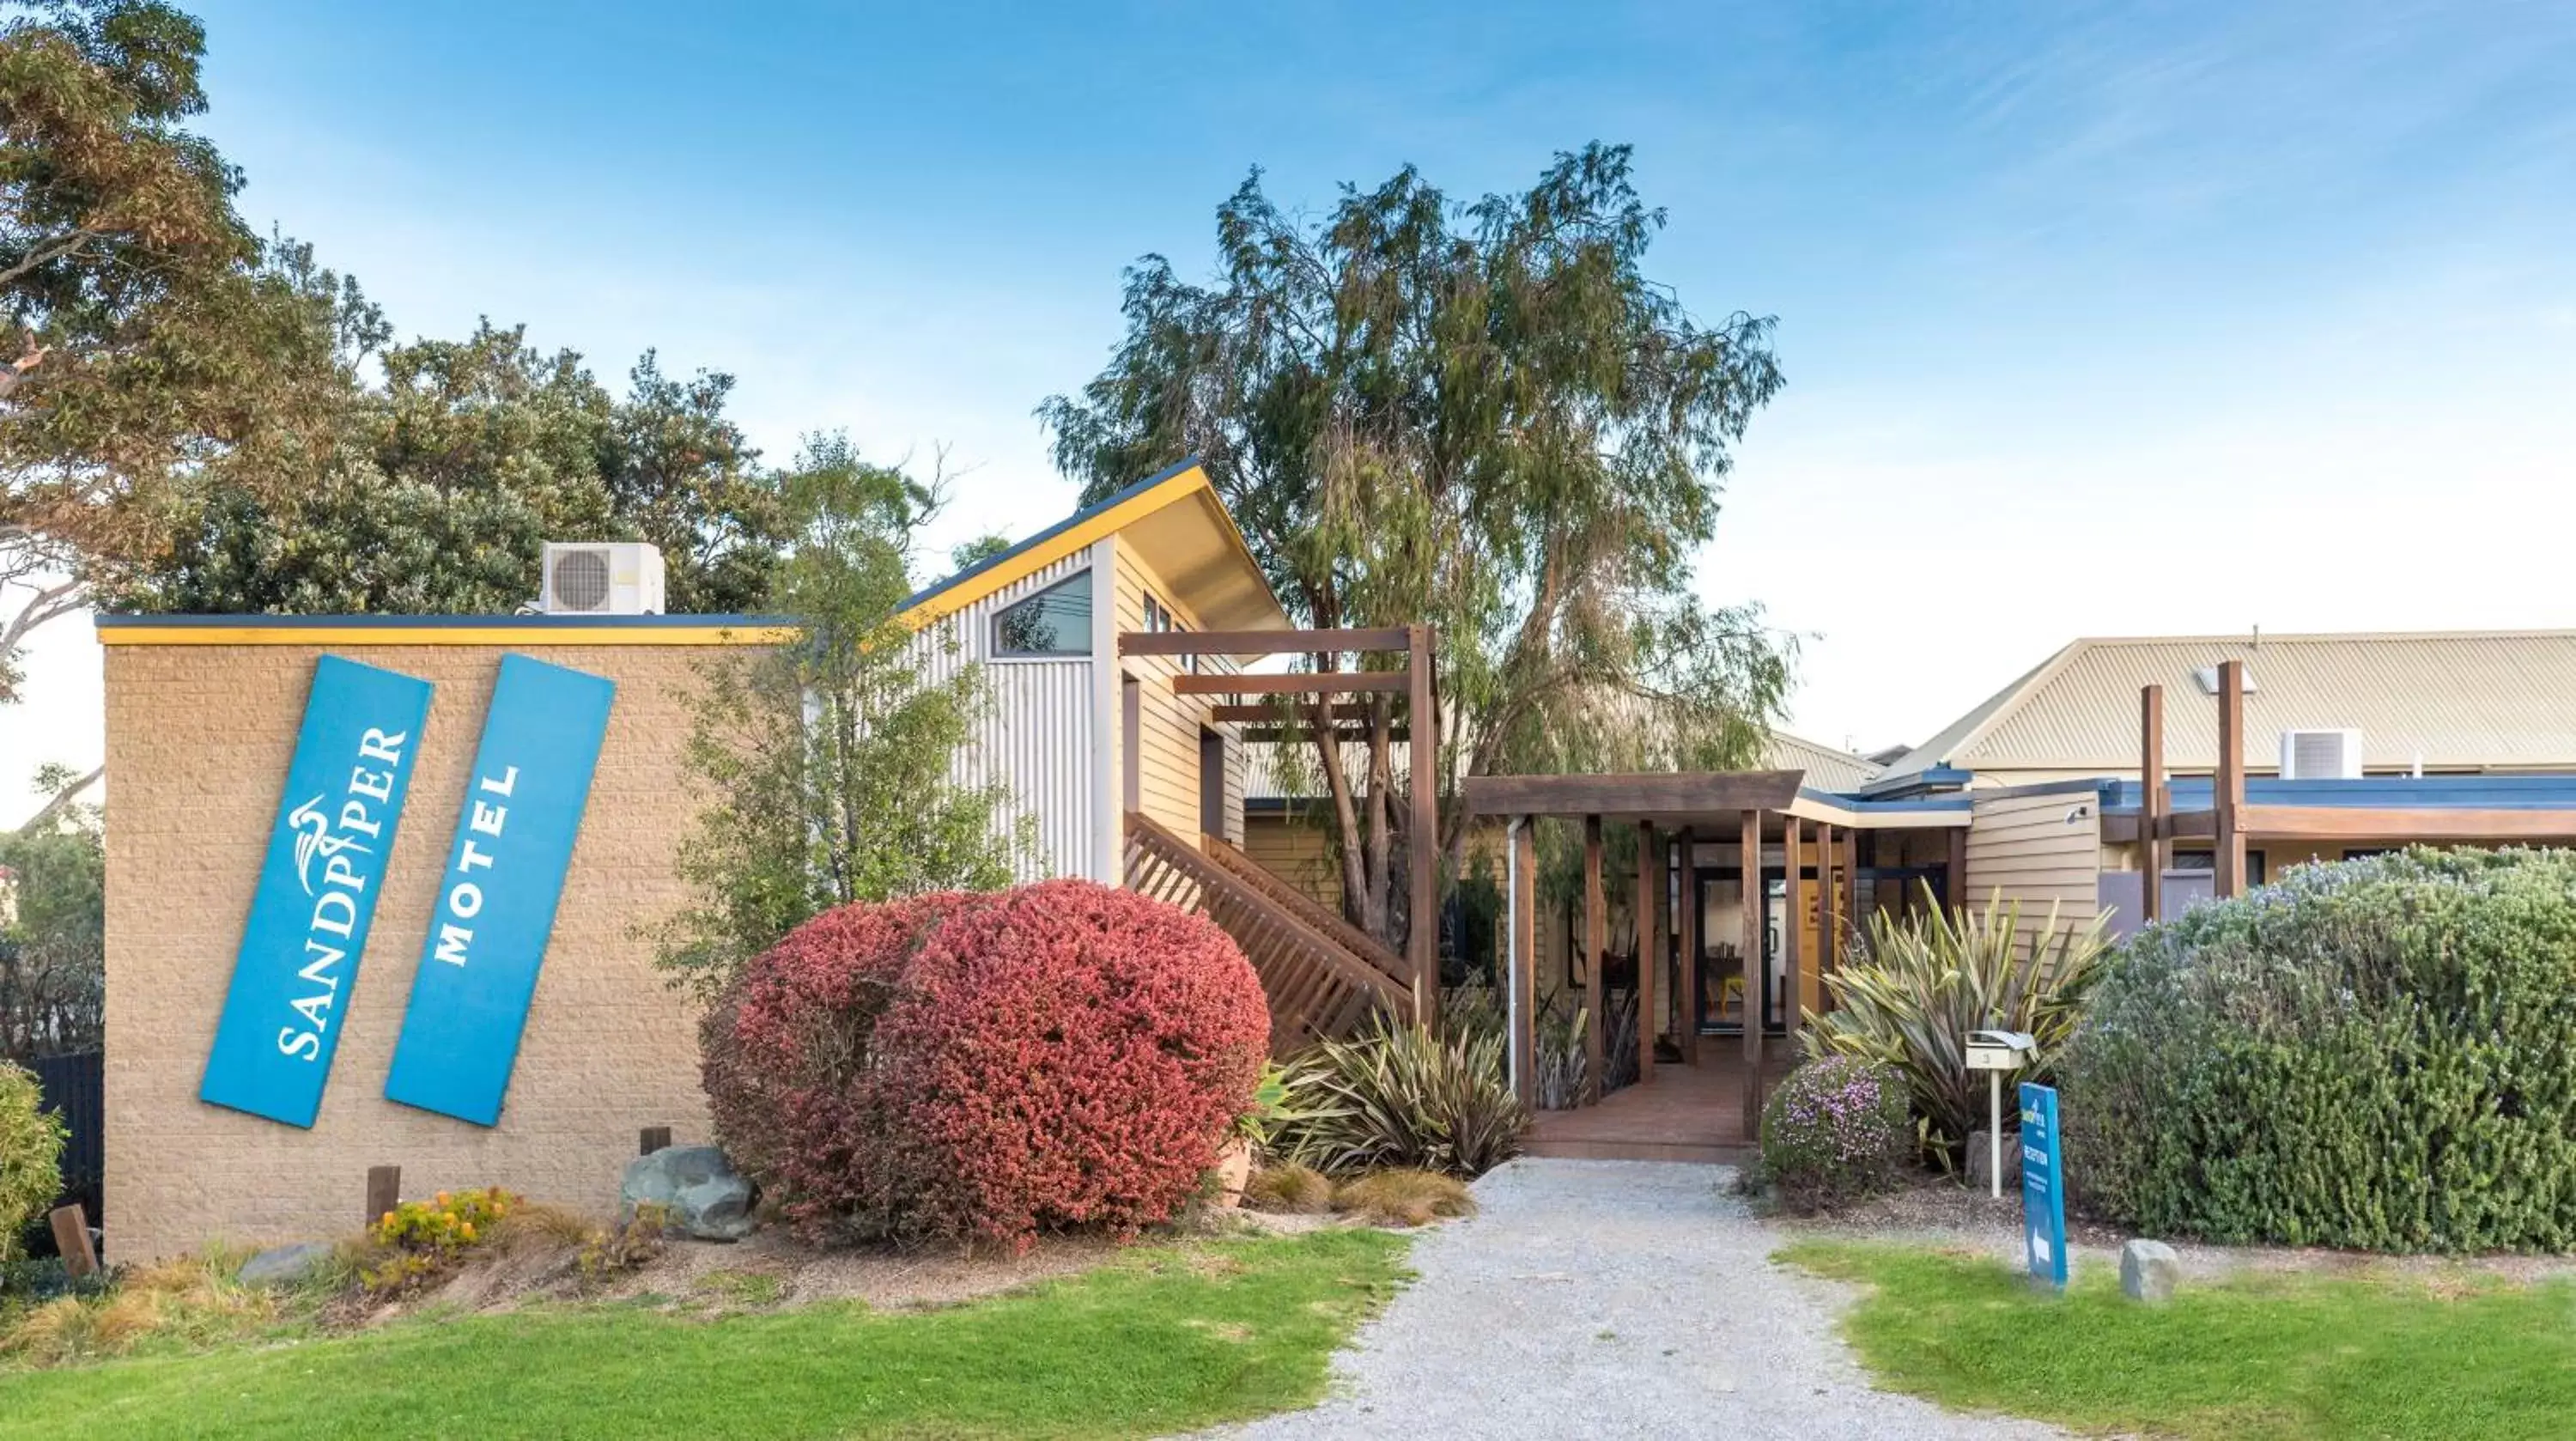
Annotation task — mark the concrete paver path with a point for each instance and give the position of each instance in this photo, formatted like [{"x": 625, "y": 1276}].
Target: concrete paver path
[{"x": 1602, "y": 1299}]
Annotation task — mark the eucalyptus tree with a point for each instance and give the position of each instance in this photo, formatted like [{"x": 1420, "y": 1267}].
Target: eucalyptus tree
[
  {"x": 159, "y": 333},
  {"x": 1485, "y": 416}
]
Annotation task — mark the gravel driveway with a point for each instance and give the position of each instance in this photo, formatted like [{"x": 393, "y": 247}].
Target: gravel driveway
[{"x": 1611, "y": 1299}]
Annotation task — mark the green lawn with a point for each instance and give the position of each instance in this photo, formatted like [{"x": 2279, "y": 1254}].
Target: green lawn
[
  {"x": 2450, "y": 1356},
  {"x": 1164, "y": 1339}
]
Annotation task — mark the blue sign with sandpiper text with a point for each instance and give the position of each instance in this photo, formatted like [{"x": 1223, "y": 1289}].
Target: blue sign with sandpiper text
[
  {"x": 2043, "y": 1186},
  {"x": 497, "y": 898},
  {"x": 316, "y": 900}
]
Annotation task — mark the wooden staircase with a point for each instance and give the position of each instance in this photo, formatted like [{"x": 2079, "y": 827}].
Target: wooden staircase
[{"x": 1323, "y": 975}]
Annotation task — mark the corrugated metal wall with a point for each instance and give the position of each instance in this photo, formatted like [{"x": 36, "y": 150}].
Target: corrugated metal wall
[{"x": 1038, "y": 736}]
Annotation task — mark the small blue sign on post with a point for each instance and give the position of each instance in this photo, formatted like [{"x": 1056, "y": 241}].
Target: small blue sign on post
[
  {"x": 2043, "y": 1186},
  {"x": 316, "y": 901},
  {"x": 496, "y": 901}
]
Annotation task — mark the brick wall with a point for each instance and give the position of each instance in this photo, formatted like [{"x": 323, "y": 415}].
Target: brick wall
[{"x": 198, "y": 739}]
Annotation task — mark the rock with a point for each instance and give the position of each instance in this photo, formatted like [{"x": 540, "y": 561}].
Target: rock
[
  {"x": 1979, "y": 1154},
  {"x": 706, "y": 1197},
  {"x": 285, "y": 1265},
  {"x": 2149, "y": 1271}
]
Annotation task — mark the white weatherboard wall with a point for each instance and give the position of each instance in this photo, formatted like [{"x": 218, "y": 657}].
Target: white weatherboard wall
[
  {"x": 2025, "y": 848},
  {"x": 1037, "y": 738}
]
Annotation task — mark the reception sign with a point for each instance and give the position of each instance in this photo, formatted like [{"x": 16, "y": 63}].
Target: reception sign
[
  {"x": 2043, "y": 1186},
  {"x": 496, "y": 900},
  {"x": 317, "y": 892}
]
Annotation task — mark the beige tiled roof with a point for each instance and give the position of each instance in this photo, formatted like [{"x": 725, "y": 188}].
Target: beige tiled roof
[{"x": 2499, "y": 700}]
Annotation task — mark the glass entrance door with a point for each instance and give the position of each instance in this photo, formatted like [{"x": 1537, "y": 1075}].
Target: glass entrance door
[{"x": 1722, "y": 972}]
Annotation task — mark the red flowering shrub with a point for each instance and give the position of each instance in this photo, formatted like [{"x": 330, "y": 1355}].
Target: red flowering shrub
[
  {"x": 985, "y": 1067},
  {"x": 786, "y": 1050}
]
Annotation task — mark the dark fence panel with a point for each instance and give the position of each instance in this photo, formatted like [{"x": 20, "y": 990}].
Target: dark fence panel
[{"x": 73, "y": 1087}]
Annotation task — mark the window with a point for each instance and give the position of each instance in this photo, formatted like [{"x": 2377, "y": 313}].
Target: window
[
  {"x": 1159, "y": 619},
  {"x": 1055, "y": 621},
  {"x": 2208, "y": 861}
]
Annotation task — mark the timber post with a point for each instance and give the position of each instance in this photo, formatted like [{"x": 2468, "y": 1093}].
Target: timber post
[
  {"x": 1650, "y": 943},
  {"x": 2227, "y": 796},
  {"x": 1422, "y": 727},
  {"x": 1596, "y": 939},
  {"x": 1752, "y": 910},
  {"x": 1686, "y": 929},
  {"x": 2151, "y": 801}
]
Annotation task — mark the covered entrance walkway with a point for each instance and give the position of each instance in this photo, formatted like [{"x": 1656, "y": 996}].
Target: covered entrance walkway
[
  {"x": 1748, "y": 887},
  {"x": 1687, "y": 1113}
]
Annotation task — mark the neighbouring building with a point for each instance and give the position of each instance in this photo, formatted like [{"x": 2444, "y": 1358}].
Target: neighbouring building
[{"x": 2349, "y": 744}]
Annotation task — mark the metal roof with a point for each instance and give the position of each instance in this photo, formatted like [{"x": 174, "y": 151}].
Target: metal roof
[
  {"x": 2454, "y": 700},
  {"x": 1827, "y": 768}
]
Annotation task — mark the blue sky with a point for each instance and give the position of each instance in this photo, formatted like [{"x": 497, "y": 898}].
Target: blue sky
[{"x": 2097, "y": 319}]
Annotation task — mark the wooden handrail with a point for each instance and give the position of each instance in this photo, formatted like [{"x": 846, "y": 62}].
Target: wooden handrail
[
  {"x": 1313, "y": 912},
  {"x": 1316, "y": 986}
]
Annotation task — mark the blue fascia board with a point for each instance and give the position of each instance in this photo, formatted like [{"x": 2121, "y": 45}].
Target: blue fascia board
[
  {"x": 2479, "y": 793},
  {"x": 1925, "y": 781},
  {"x": 1861, "y": 804}
]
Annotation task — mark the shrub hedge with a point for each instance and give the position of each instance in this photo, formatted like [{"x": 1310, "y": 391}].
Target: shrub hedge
[
  {"x": 984, "y": 1067},
  {"x": 31, "y": 1148},
  {"x": 1837, "y": 1130},
  {"x": 2379, "y": 1053}
]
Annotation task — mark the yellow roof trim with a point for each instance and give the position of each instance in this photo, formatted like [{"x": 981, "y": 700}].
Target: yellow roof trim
[
  {"x": 514, "y": 637},
  {"x": 1071, "y": 540}
]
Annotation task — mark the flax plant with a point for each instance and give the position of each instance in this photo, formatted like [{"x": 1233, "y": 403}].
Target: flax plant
[{"x": 1909, "y": 997}]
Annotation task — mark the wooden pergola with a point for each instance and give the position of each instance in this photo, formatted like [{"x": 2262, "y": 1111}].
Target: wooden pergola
[
  {"x": 1420, "y": 732},
  {"x": 1745, "y": 806}
]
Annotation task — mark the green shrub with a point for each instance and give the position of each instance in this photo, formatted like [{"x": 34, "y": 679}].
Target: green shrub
[
  {"x": 2379, "y": 1053},
  {"x": 1837, "y": 1130},
  {"x": 1401, "y": 1096},
  {"x": 1912, "y": 995},
  {"x": 31, "y": 1151}
]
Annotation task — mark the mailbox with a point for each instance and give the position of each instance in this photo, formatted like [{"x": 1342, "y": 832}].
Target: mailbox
[
  {"x": 1995, "y": 1052},
  {"x": 2000, "y": 1050}
]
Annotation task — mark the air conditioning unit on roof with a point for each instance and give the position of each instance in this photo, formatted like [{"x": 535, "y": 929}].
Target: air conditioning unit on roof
[
  {"x": 2321, "y": 755},
  {"x": 602, "y": 578}
]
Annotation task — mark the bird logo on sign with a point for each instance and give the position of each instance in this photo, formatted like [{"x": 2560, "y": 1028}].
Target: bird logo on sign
[{"x": 313, "y": 839}]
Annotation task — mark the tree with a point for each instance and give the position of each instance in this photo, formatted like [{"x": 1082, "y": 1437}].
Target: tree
[
  {"x": 441, "y": 485},
  {"x": 829, "y": 762},
  {"x": 1485, "y": 417},
  {"x": 53, "y": 940},
  {"x": 161, "y": 335},
  {"x": 966, "y": 557}
]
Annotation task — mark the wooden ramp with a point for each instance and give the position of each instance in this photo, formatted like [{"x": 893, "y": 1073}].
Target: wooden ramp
[
  {"x": 1686, "y": 1113},
  {"x": 1322, "y": 975}
]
